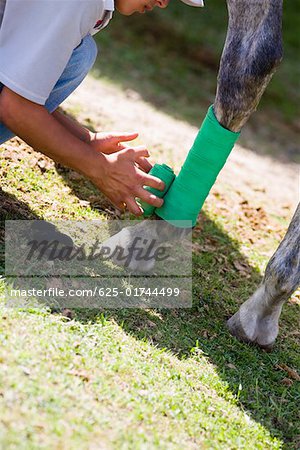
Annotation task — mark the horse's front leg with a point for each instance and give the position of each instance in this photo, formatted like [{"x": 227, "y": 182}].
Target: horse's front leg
[{"x": 252, "y": 51}]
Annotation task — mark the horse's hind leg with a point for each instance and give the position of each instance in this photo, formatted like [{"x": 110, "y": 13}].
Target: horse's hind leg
[{"x": 257, "y": 319}]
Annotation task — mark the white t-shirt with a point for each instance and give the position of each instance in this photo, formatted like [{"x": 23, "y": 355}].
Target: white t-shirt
[{"x": 37, "y": 38}]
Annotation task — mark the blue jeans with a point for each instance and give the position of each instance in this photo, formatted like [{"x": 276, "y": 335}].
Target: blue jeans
[{"x": 81, "y": 61}]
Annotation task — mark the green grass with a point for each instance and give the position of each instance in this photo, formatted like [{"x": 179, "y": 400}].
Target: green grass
[{"x": 136, "y": 379}]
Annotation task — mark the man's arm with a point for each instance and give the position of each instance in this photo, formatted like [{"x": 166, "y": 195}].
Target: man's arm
[
  {"x": 82, "y": 133},
  {"x": 115, "y": 175}
]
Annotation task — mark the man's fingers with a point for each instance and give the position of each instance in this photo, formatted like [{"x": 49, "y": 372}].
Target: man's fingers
[
  {"x": 124, "y": 137},
  {"x": 133, "y": 207},
  {"x": 154, "y": 182},
  {"x": 128, "y": 136},
  {"x": 140, "y": 152},
  {"x": 144, "y": 164},
  {"x": 149, "y": 198},
  {"x": 129, "y": 205},
  {"x": 134, "y": 153}
]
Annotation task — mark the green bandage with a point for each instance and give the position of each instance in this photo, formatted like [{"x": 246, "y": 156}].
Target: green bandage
[
  {"x": 206, "y": 158},
  {"x": 166, "y": 174}
]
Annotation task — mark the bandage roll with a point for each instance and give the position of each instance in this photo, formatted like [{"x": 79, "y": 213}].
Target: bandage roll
[
  {"x": 166, "y": 174},
  {"x": 206, "y": 158}
]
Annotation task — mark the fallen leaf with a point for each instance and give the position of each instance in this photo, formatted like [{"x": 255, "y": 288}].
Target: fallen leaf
[
  {"x": 291, "y": 372},
  {"x": 45, "y": 165},
  {"x": 203, "y": 248},
  {"x": 26, "y": 370},
  {"x": 196, "y": 247},
  {"x": 242, "y": 267},
  {"x": 85, "y": 376},
  {"x": 231, "y": 366},
  {"x": 67, "y": 313},
  {"x": 54, "y": 283},
  {"x": 287, "y": 382},
  {"x": 293, "y": 333},
  {"x": 95, "y": 198},
  {"x": 74, "y": 176},
  {"x": 84, "y": 203}
]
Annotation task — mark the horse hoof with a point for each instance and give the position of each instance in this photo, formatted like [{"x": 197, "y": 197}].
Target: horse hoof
[{"x": 255, "y": 336}]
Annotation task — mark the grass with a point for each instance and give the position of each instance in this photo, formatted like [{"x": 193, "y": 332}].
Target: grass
[{"x": 135, "y": 379}]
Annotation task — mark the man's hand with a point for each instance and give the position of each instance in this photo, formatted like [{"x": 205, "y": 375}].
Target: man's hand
[
  {"x": 112, "y": 142},
  {"x": 121, "y": 180}
]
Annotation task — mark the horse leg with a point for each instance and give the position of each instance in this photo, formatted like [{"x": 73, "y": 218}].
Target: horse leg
[
  {"x": 252, "y": 52},
  {"x": 257, "y": 319}
]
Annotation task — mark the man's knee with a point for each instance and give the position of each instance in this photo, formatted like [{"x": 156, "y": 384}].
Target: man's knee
[
  {"x": 82, "y": 60},
  {"x": 92, "y": 52}
]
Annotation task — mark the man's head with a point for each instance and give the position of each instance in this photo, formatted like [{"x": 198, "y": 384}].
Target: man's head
[{"x": 128, "y": 7}]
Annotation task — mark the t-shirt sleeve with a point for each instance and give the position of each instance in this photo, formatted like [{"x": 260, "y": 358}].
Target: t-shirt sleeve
[{"x": 37, "y": 38}]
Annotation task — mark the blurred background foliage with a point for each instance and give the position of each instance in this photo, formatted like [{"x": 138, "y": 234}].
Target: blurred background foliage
[{"x": 171, "y": 58}]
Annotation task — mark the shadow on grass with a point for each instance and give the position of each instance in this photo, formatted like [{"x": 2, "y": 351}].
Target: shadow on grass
[
  {"x": 86, "y": 191},
  {"x": 11, "y": 209},
  {"x": 218, "y": 290}
]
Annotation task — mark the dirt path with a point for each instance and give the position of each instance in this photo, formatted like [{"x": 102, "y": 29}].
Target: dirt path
[{"x": 267, "y": 182}]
